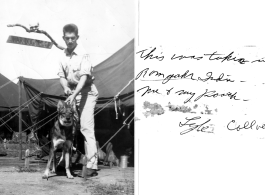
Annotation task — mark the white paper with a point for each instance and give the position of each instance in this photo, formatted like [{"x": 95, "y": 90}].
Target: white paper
[{"x": 224, "y": 153}]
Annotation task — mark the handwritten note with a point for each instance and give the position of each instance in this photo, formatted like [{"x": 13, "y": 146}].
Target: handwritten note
[
  {"x": 222, "y": 82},
  {"x": 199, "y": 87},
  {"x": 200, "y": 106}
]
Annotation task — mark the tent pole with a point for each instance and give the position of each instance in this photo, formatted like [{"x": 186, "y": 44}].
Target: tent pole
[{"x": 19, "y": 119}]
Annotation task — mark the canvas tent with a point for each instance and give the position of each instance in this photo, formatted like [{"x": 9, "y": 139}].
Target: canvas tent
[
  {"x": 9, "y": 104},
  {"x": 8, "y": 94},
  {"x": 113, "y": 76}
]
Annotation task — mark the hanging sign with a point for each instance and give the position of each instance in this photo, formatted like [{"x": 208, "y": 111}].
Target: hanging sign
[{"x": 29, "y": 42}]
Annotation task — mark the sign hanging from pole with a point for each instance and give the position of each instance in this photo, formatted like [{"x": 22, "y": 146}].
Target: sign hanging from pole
[{"x": 29, "y": 42}]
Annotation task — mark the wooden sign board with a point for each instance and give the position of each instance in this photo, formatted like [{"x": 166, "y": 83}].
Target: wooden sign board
[{"x": 29, "y": 42}]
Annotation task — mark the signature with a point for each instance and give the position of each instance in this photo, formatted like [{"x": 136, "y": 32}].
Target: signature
[
  {"x": 246, "y": 125},
  {"x": 159, "y": 76},
  {"x": 194, "y": 126}
]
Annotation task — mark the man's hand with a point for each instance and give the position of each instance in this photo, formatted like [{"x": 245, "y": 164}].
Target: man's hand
[
  {"x": 70, "y": 99},
  {"x": 67, "y": 91}
]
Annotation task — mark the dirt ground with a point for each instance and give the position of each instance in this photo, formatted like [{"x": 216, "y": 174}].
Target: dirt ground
[{"x": 16, "y": 180}]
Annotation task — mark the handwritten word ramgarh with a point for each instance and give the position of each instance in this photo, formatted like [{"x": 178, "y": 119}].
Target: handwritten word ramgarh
[{"x": 159, "y": 76}]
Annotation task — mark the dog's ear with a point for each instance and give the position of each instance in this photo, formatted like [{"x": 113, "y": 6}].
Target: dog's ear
[
  {"x": 109, "y": 147},
  {"x": 60, "y": 105}
]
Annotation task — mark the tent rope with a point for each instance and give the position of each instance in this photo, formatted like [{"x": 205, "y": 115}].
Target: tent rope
[
  {"x": 101, "y": 146},
  {"x": 52, "y": 119},
  {"x": 25, "y": 122},
  {"x": 124, "y": 122},
  {"x": 57, "y": 115},
  {"x": 7, "y": 126},
  {"x": 16, "y": 113},
  {"x": 27, "y": 102},
  {"x": 107, "y": 103},
  {"x": 10, "y": 118},
  {"x": 117, "y": 95},
  {"x": 46, "y": 123},
  {"x": 130, "y": 121},
  {"x": 115, "y": 106},
  {"x": 97, "y": 111},
  {"x": 40, "y": 121},
  {"x": 112, "y": 137},
  {"x": 10, "y": 81},
  {"x": 39, "y": 148},
  {"x": 95, "y": 155}
]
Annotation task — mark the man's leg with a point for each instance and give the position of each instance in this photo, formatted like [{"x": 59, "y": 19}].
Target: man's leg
[{"x": 87, "y": 106}]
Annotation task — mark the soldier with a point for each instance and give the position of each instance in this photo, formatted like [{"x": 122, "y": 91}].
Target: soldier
[{"x": 75, "y": 71}]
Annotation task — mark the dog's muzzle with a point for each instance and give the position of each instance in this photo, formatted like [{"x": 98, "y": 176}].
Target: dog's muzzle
[{"x": 66, "y": 121}]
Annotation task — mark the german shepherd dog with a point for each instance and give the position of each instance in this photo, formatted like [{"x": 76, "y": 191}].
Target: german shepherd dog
[{"x": 62, "y": 136}]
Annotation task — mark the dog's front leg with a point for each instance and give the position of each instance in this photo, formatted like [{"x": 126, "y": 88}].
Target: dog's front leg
[
  {"x": 61, "y": 159},
  {"x": 54, "y": 167},
  {"x": 47, "y": 170},
  {"x": 67, "y": 149},
  {"x": 70, "y": 157}
]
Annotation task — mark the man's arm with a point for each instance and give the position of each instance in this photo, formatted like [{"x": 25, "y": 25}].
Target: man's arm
[
  {"x": 80, "y": 85},
  {"x": 84, "y": 72},
  {"x": 63, "y": 80},
  {"x": 66, "y": 89},
  {"x": 78, "y": 88}
]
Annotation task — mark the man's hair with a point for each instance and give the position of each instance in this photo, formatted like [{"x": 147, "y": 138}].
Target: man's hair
[{"x": 70, "y": 28}]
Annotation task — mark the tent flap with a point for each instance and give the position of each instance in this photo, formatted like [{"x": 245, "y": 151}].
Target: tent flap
[{"x": 9, "y": 94}]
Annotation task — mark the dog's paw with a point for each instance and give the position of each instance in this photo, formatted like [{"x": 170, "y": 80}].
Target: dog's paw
[
  {"x": 53, "y": 171},
  {"x": 70, "y": 176},
  {"x": 45, "y": 176}
]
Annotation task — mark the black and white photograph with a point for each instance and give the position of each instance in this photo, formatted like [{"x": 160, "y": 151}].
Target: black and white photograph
[
  {"x": 67, "y": 97},
  {"x": 132, "y": 97}
]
